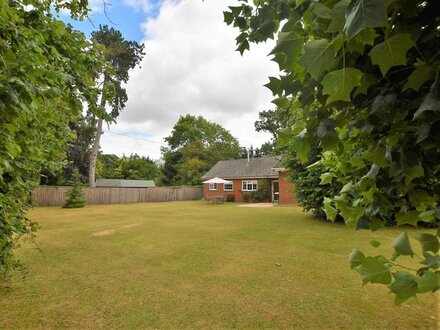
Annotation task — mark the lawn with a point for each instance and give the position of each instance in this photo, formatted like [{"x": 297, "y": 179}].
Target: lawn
[{"x": 195, "y": 265}]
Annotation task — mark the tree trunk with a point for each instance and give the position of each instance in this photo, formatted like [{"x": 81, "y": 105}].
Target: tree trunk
[{"x": 95, "y": 148}]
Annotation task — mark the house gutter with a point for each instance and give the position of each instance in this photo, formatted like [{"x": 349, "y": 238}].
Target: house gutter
[
  {"x": 243, "y": 177},
  {"x": 279, "y": 169}
]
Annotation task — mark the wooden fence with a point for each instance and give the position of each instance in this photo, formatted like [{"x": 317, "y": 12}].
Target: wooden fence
[{"x": 54, "y": 195}]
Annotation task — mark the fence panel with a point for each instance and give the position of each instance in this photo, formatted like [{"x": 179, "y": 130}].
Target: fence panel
[{"x": 54, "y": 195}]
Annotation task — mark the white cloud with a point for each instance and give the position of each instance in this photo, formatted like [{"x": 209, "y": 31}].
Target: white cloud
[
  {"x": 143, "y": 5},
  {"x": 97, "y": 6},
  {"x": 191, "y": 67}
]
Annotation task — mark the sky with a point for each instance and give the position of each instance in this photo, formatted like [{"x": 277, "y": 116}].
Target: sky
[{"x": 190, "y": 67}]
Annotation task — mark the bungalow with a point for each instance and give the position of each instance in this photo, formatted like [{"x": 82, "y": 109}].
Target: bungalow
[{"x": 247, "y": 176}]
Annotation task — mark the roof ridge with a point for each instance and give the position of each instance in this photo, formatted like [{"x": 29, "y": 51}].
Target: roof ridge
[{"x": 256, "y": 166}]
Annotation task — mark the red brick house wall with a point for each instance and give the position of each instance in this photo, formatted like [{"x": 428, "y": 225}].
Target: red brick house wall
[
  {"x": 287, "y": 190},
  {"x": 236, "y": 190}
]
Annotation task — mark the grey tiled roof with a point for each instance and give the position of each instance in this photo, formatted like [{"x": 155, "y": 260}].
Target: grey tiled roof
[{"x": 241, "y": 168}]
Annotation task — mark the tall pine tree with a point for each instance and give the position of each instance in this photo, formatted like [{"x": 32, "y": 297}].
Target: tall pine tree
[{"x": 120, "y": 57}]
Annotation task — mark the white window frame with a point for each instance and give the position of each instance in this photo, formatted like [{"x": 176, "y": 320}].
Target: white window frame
[
  {"x": 213, "y": 186},
  {"x": 249, "y": 185},
  {"x": 232, "y": 186}
]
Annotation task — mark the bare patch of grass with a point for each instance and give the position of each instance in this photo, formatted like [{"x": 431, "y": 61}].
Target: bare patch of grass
[
  {"x": 109, "y": 232},
  {"x": 103, "y": 233}
]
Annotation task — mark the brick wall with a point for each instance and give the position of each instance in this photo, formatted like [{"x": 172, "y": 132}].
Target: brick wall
[
  {"x": 287, "y": 190},
  {"x": 236, "y": 190}
]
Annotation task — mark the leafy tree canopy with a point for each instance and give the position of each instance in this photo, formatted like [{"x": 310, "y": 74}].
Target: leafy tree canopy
[
  {"x": 120, "y": 56},
  {"x": 133, "y": 167},
  {"x": 362, "y": 76},
  {"x": 195, "y": 145},
  {"x": 78, "y": 151},
  {"x": 273, "y": 121},
  {"x": 47, "y": 71},
  {"x": 309, "y": 191}
]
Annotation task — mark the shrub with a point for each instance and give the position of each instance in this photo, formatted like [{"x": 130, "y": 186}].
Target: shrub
[
  {"x": 74, "y": 196},
  {"x": 247, "y": 197},
  {"x": 308, "y": 189},
  {"x": 263, "y": 192}
]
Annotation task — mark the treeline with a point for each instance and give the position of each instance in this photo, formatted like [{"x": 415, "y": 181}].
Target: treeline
[
  {"x": 193, "y": 147},
  {"x": 108, "y": 166},
  {"x": 133, "y": 167}
]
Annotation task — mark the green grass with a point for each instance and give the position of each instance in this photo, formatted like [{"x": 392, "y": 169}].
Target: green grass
[{"x": 195, "y": 265}]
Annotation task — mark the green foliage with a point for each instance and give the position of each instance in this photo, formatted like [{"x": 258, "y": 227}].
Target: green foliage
[
  {"x": 310, "y": 189},
  {"x": 169, "y": 168},
  {"x": 402, "y": 246},
  {"x": 120, "y": 56},
  {"x": 339, "y": 84},
  {"x": 74, "y": 196},
  {"x": 247, "y": 196},
  {"x": 107, "y": 166},
  {"x": 374, "y": 270},
  {"x": 361, "y": 14},
  {"x": 194, "y": 146},
  {"x": 263, "y": 194},
  {"x": 273, "y": 121},
  {"x": 133, "y": 167},
  {"x": 319, "y": 55},
  {"x": 190, "y": 170},
  {"x": 355, "y": 73},
  {"x": 77, "y": 154},
  {"x": 138, "y": 168},
  {"x": 391, "y": 52},
  {"x": 266, "y": 149},
  {"x": 48, "y": 71},
  {"x": 428, "y": 242},
  {"x": 387, "y": 271}
]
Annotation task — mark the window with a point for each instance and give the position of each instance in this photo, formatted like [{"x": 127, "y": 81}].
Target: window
[
  {"x": 227, "y": 187},
  {"x": 213, "y": 186},
  {"x": 249, "y": 185}
]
